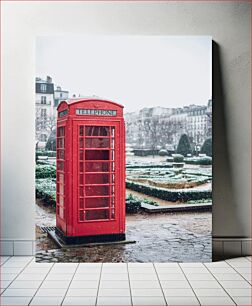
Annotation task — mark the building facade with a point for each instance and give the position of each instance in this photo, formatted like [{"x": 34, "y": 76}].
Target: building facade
[
  {"x": 46, "y": 102},
  {"x": 158, "y": 127}
]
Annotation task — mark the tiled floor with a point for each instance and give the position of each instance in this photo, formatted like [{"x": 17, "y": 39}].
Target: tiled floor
[{"x": 24, "y": 282}]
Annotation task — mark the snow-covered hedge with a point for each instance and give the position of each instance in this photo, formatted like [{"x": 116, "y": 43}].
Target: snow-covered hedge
[
  {"x": 46, "y": 190},
  {"x": 182, "y": 195},
  {"x": 45, "y": 171}
]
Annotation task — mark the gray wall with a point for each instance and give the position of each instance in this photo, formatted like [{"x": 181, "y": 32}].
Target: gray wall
[{"x": 229, "y": 25}]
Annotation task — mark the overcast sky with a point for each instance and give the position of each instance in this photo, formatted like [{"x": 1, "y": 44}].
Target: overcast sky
[{"x": 136, "y": 71}]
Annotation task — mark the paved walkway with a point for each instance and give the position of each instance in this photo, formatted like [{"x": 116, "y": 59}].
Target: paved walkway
[
  {"x": 25, "y": 282},
  {"x": 173, "y": 237}
]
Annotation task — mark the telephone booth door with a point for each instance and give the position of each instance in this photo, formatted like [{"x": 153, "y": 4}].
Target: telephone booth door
[{"x": 96, "y": 207}]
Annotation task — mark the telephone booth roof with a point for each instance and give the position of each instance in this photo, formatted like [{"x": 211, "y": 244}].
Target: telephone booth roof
[{"x": 71, "y": 102}]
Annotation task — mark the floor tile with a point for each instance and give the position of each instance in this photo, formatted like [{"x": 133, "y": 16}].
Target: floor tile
[
  {"x": 10, "y": 270},
  {"x": 166, "y": 264},
  {"x": 237, "y": 259},
  {"x": 85, "y": 284},
  {"x": 8, "y": 276},
  {"x": 121, "y": 276},
  {"x": 136, "y": 276},
  {"x": 178, "y": 292},
  {"x": 146, "y": 292},
  {"x": 243, "y": 300},
  {"x": 29, "y": 276},
  {"x": 145, "y": 284},
  {"x": 88, "y": 270},
  {"x": 216, "y": 264},
  {"x": 204, "y": 284},
  {"x": 114, "y": 292},
  {"x": 229, "y": 276},
  {"x": 43, "y": 271},
  {"x": 241, "y": 264},
  {"x": 210, "y": 292},
  {"x": 103, "y": 300},
  {"x": 172, "y": 276},
  {"x": 147, "y": 270},
  {"x": 243, "y": 270},
  {"x": 14, "y": 264},
  {"x": 192, "y": 264},
  {"x": 25, "y": 284},
  {"x": 47, "y": 300},
  {"x": 15, "y": 300},
  {"x": 51, "y": 292},
  {"x": 220, "y": 300},
  {"x": 235, "y": 284},
  {"x": 189, "y": 300},
  {"x": 21, "y": 258},
  {"x": 195, "y": 270},
  {"x": 140, "y": 265},
  {"x": 247, "y": 277},
  {"x": 82, "y": 292},
  {"x": 79, "y": 301},
  {"x": 114, "y": 269},
  {"x": 114, "y": 284},
  {"x": 168, "y": 270},
  {"x": 87, "y": 276},
  {"x": 220, "y": 270},
  {"x": 19, "y": 292},
  {"x": 55, "y": 284},
  {"x": 239, "y": 291},
  {"x": 200, "y": 276},
  {"x": 5, "y": 283},
  {"x": 166, "y": 284},
  {"x": 157, "y": 300},
  {"x": 59, "y": 277}
]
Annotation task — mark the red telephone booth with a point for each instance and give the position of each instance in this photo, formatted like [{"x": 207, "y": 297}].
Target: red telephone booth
[{"x": 90, "y": 204}]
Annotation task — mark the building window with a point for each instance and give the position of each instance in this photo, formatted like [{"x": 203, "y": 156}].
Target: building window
[
  {"x": 43, "y": 87},
  {"x": 43, "y": 113},
  {"x": 61, "y": 94},
  {"x": 43, "y": 100}
]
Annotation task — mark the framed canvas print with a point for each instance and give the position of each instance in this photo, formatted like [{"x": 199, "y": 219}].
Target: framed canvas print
[{"x": 123, "y": 148}]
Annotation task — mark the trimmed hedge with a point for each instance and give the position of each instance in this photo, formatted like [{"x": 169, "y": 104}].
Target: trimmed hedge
[
  {"x": 202, "y": 161},
  {"x": 46, "y": 190},
  {"x": 46, "y": 153},
  {"x": 45, "y": 171},
  {"x": 170, "y": 195},
  {"x": 148, "y": 166}
]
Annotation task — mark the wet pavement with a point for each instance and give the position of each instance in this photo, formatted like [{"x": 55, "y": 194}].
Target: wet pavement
[{"x": 160, "y": 237}]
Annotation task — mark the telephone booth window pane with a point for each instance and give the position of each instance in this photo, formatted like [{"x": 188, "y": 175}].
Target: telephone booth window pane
[
  {"x": 81, "y": 155},
  {"x": 60, "y": 165},
  {"x": 81, "y": 191},
  {"x": 61, "y": 200},
  {"x": 97, "y": 131},
  {"x": 97, "y": 155},
  {"x": 96, "y": 190},
  {"x": 97, "y": 214},
  {"x": 97, "y": 178},
  {"x": 81, "y": 179},
  {"x": 81, "y": 215},
  {"x": 81, "y": 203},
  {"x": 61, "y": 189},
  {"x": 97, "y": 142},
  {"x": 61, "y": 178},
  {"x": 81, "y": 130},
  {"x": 96, "y": 202},
  {"x": 81, "y": 143},
  {"x": 61, "y": 154},
  {"x": 81, "y": 167},
  {"x": 97, "y": 167}
]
